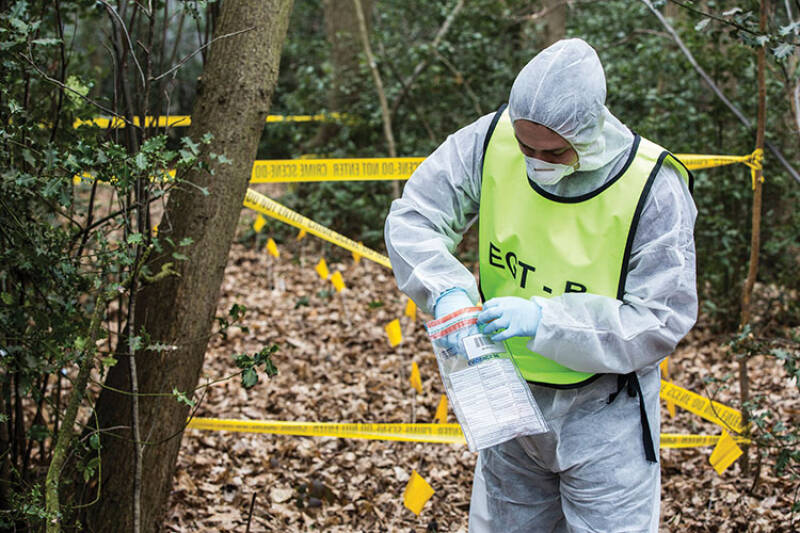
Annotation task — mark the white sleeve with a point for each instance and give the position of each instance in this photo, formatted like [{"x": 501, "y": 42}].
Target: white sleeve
[
  {"x": 439, "y": 203},
  {"x": 592, "y": 333}
]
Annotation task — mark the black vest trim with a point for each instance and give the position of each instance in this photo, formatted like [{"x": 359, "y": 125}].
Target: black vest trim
[
  {"x": 490, "y": 131},
  {"x": 635, "y": 223},
  {"x": 571, "y": 385},
  {"x": 689, "y": 172},
  {"x": 591, "y": 194}
]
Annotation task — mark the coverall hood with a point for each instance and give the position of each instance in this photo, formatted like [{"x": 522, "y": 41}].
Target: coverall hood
[{"x": 564, "y": 88}]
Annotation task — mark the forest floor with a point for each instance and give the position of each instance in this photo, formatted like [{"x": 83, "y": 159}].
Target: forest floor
[{"x": 335, "y": 365}]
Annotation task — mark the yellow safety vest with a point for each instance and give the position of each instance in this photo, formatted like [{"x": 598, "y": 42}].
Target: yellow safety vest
[{"x": 533, "y": 243}]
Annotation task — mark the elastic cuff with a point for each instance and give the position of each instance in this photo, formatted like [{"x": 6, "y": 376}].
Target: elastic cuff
[{"x": 448, "y": 291}]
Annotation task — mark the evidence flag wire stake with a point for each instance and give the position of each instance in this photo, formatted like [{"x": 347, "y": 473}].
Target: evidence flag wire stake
[{"x": 432, "y": 433}]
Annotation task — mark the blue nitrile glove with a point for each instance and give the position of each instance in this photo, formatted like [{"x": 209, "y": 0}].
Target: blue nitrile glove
[
  {"x": 451, "y": 301},
  {"x": 519, "y": 317},
  {"x": 448, "y": 302}
]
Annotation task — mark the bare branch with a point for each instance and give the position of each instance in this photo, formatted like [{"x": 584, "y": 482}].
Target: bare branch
[
  {"x": 536, "y": 15},
  {"x": 198, "y": 50},
  {"x": 713, "y": 16},
  {"x": 713, "y": 86},
  {"x": 127, "y": 37},
  {"x": 475, "y": 101},
  {"x": 30, "y": 61},
  {"x": 422, "y": 65},
  {"x": 387, "y": 121}
]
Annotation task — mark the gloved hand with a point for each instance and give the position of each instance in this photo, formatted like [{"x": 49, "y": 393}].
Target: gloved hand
[
  {"x": 450, "y": 301},
  {"x": 519, "y": 317}
]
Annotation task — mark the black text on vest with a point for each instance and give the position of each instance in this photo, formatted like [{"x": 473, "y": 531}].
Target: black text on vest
[{"x": 519, "y": 270}]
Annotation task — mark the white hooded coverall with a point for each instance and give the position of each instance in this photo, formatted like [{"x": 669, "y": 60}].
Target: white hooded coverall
[{"x": 589, "y": 472}]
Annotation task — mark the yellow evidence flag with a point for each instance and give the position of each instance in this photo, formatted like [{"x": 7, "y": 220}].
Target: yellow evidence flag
[
  {"x": 411, "y": 309},
  {"x": 725, "y": 453},
  {"x": 272, "y": 248},
  {"x": 322, "y": 269},
  {"x": 394, "y": 333},
  {"x": 415, "y": 379},
  {"x": 441, "y": 411},
  {"x": 338, "y": 281},
  {"x": 417, "y": 493},
  {"x": 259, "y": 223}
]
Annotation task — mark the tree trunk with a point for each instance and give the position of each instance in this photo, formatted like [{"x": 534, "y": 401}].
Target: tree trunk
[
  {"x": 341, "y": 30},
  {"x": 555, "y": 22},
  {"x": 232, "y": 103}
]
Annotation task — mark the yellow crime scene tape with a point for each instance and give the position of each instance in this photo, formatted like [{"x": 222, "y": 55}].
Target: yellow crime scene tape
[
  {"x": 722, "y": 415},
  {"x": 179, "y": 121},
  {"x": 438, "y": 433},
  {"x": 267, "y": 206},
  {"x": 678, "y": 440},
  {"x": 698, "y": 161},
  {"x": 352, "y": 169},
  {"x": 401, "y": 168},
  {"x": 434, "y": 433}
]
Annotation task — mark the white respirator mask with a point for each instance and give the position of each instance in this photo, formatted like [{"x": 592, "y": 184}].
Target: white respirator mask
[{"x": 544, "y": 173}]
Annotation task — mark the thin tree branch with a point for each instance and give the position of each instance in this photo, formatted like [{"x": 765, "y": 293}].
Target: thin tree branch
[
  {"x": 124, "y": 30},
  {"x": 714, "y": 17},
  {"x": 62, "y": 72},
  {"x": 198, "y": 50},
  {"x": 376, "y": 76},
  {"x": 63, "y": 86},
  {"x": 475, "y": 101},
  {"x": 713, "y": 86},
  {"x": 422, "y": 65}
]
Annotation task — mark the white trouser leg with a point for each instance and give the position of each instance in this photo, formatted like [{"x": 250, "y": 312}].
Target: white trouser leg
[{"x": 478, "y": 510}]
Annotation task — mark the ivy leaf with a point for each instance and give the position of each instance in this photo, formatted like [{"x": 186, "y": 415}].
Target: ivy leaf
[
  {"x": 791, "y": 28},
  {"x": 141, "y": 161},
  {"x": 182, "y": 398},
  {"x": 700, "y": 26},
  {"x": 243, "y": 361},
  {"x": 46, "y": 41},
  {"x": 782, "y": 50},
  {"x": 249, "y": 378},
  {"x": 135, "y": 343}
]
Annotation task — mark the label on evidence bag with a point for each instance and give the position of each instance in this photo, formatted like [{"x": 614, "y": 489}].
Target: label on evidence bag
[{"x": 480, "y": 345}]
